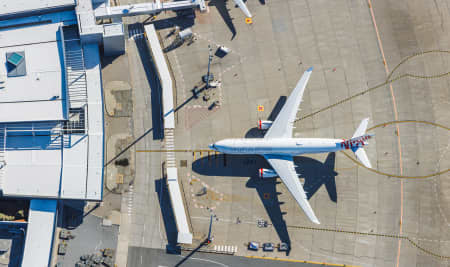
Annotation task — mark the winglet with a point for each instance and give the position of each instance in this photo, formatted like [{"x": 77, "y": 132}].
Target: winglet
[
  {"x": 310, "y": 69},
  {"x": 313, "y": 217}
]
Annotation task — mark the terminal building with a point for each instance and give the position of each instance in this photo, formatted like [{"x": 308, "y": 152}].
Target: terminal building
[
  {"x": 51, "y": 108},
  {"x": 51, "y": 115},
  {"x": 51, "y": 125}
]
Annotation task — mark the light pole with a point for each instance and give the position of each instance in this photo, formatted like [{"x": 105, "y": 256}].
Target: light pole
[
  {"x": 209, "y": 238},
  {"x": 209, "y": 66}
]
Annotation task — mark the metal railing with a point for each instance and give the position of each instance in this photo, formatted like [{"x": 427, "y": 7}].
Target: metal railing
[
  {"x": 77, "y": 122},
  {"x": 75, "y": 73},
  {"x": 32, "y": 128},
  {"x": 46, "y": 135},
  {"x": 2, "y": 155}
]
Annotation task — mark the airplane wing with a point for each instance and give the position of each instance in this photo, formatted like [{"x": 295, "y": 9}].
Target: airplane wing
[
  {"x": 284, "y": 167},
  {"x": 243, "y": 7},
  {"x": 283, "y": 125}
]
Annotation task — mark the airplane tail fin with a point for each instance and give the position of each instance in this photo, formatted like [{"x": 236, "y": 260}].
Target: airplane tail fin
[{"x": 361, "y": 136}]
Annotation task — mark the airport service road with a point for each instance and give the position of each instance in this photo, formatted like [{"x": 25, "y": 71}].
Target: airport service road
[
  {"x": 141, "y": 223},
  {"x": 140, "y": 257},
  {"x": 143, "y": 201}
]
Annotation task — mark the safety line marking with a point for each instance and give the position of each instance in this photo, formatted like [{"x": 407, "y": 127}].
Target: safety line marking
[
  {"x": 399, "y": 146},
  {"x": 400, "y": 237},
  {"x": 302, "y": 261},
  {"x": 389, "y": 80}
]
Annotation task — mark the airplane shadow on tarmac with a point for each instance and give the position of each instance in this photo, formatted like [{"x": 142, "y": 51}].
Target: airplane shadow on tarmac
[
  {"x": 225, "y": 14},
  {"x": 314, "y": 173},
  {"x": 224, "y": 11}
]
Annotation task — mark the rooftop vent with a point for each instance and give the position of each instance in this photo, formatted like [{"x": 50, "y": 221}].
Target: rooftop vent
[{"x": 16, "y": 64}]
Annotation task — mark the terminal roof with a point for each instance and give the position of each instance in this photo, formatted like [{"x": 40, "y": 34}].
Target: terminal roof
[
  {"x": 12, "y": 7},
  {"x": 38, "y": 95}
]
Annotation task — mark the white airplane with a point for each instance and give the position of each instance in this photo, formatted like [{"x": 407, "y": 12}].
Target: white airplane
[{"x": 278, "y": 147}]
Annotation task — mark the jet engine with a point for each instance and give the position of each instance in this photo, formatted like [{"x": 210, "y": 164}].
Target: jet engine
[
  {"x": 266, "y": 173},
  {"x": 264, "y": 125}
]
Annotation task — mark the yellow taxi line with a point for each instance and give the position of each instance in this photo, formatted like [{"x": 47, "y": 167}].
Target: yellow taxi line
[{"x": 302, "y": 261}]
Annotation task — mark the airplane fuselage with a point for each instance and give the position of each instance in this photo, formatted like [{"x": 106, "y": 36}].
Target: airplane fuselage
[{"x": 283, "y": 146}]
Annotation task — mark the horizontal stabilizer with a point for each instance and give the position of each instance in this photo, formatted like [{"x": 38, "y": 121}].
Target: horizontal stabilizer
[
  {"x": 359, "y": 137},
  {"x": 361, "y": 128},
  {"x": 361, "y": 155}
]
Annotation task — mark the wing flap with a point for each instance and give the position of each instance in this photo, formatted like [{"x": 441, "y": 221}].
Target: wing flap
[{"x": 284, "y": 166}]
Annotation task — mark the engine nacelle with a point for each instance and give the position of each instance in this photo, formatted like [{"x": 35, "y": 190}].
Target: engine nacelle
[
  {"x": 266, "y": 173},
  {"x": 264, "y": 125}
]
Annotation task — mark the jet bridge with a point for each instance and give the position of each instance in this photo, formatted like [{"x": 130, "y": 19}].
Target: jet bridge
[
  {"x": 173, "y": 184},
  {"x": 106, "y": 12},
  {"x": 88, "y": 15}
]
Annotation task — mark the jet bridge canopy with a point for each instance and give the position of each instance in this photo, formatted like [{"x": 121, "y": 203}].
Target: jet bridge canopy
[
  {"x": 39, "y": 239},
  {"x": 184, "y": 234},
  {"x": 104, "y": 12},
  {"x": 164, "y": 76}
]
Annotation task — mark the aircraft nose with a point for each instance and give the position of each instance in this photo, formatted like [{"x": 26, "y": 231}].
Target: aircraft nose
[{"x": 211, "y": 146}]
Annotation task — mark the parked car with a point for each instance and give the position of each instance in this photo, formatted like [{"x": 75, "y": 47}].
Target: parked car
[
  {"x": 268, "y": 247},
  {"x": 253, "y": 246},
  {"x": 283, "y": 247}
]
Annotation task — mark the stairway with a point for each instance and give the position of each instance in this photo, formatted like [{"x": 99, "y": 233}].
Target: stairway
[
  {"x": 74, "y": 68},
  {"x": 77, "y": 121}
]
